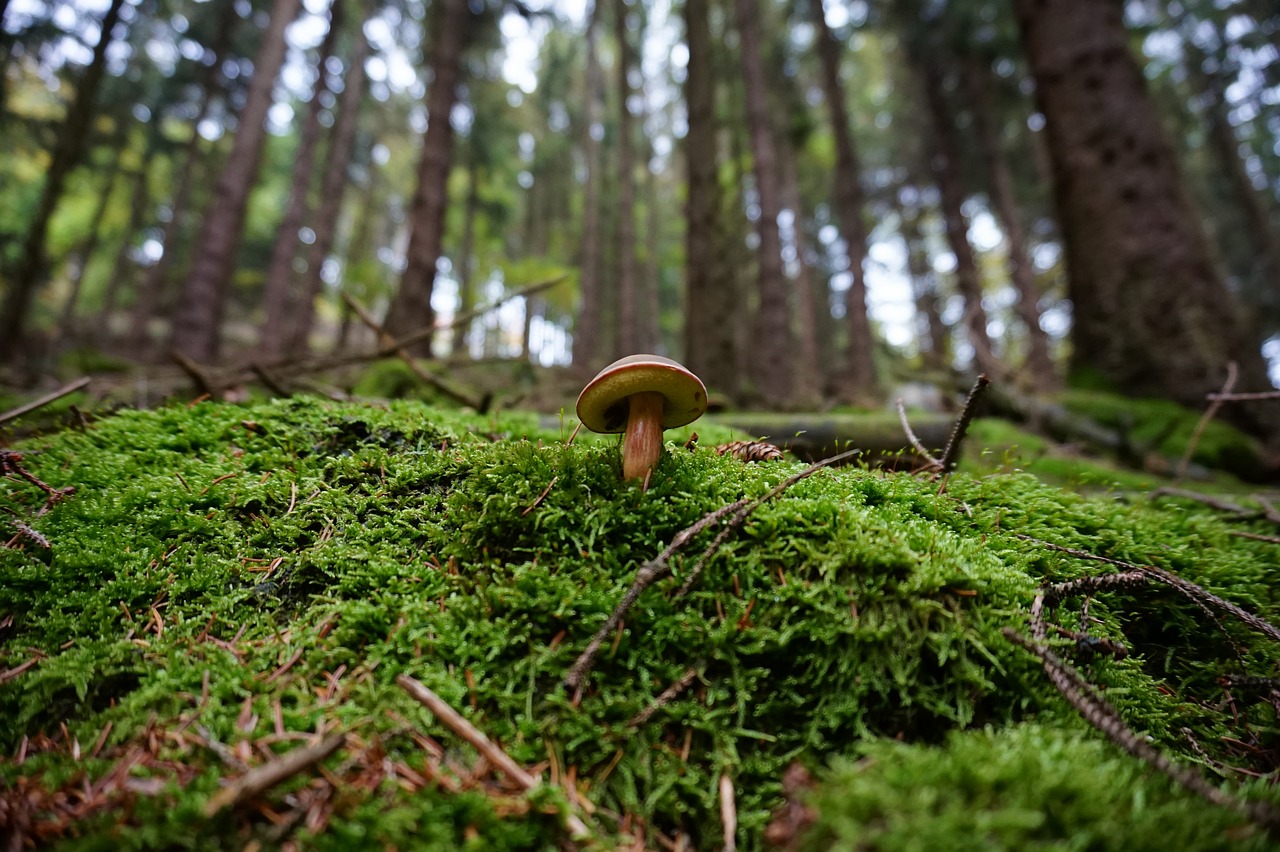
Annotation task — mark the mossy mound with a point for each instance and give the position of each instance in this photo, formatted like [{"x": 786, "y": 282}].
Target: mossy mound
[{"x": 229, "y": 580}]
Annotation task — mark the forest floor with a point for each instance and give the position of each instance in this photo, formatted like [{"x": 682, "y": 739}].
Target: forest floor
[{"x": 305, "y": 623}]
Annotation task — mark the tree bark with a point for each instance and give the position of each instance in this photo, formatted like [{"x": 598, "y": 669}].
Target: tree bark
[
  {"x": 709, "y": 349},
  {"x": 945, "y": 169},
  {"x": 631, "y": 338},
  {"x": 279, "y": 299},
  {"x": 32, "y": 267},
  {"x": 151, "y": 289},
  {"x": 1039, "y": 363},
  {"x": 332, "y": 189},
  {"x": 89, "y": 247},
  {"x": 197, "y": 318},
  {"x": 586, "y": 340},
  {"x": 1152, "y": 315},
  {"x": 924, "y": 288},
  {"x": 411, "y": 307},
  {"x": 466, "y": 262},
  {"x": 860, "y": 378},
  {"x": 809, "y": 372},
  {"x": 772, "y": 369},
  {"x": 139, "y": 206}
]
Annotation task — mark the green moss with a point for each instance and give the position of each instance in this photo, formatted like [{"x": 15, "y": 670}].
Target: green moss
[
  {"x": 1166, "y": 428},
  {"x": 1022, "y": 788},
  {"x": 301, "y": 555}
]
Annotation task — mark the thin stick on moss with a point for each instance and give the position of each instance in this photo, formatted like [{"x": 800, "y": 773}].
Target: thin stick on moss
[
  {"x": 1196, "y": 593},
  {"x": 1101, "y": 715},
  {"x": 659, "y": 567},
  {"x": 1233, "y": 372},
  {"x": 541, "y": 497},
  {"x": 668, "y": 695},
  {"x": 650, "y": 572},
  {"x": 740, "y": 517},
  {"x": 259, "y": 780},
  {"x": 489, "y": 750},
  {"x": 728, "y": 813},
  {"x": 1270, "y": 539}
]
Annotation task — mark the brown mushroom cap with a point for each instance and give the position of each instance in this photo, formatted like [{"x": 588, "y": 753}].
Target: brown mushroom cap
[{"x": 603, "y": 407}]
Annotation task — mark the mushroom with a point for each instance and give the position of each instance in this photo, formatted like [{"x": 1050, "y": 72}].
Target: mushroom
[{"x": 641, "y": 395}]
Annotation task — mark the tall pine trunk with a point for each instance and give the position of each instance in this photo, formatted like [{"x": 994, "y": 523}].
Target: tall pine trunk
[
  {"x": 946, "y": 172},
  {"x": 1039, "y": 364},
  {"x": 411, "y": 308},
  {"x": 772, "y": 369},
  {"x": 630, "y": 327},
  {"x": 709, "y": 348},
  {"x": 332, "y": 189},
  {"x": 197, "y": 317},
  {"x": 151, "y": 289},
  {"x": 1152, "y": 315},
  {"x": 934, "y": 348},
  {"x": 279, "y": 298},
  {"x": 860, "y": 376},
  {"x": 32, "y": 267},
  {"x": 586, "y": 337},
  {"x": 88, "y": 248},
  {"x": 466, "y": 261}
]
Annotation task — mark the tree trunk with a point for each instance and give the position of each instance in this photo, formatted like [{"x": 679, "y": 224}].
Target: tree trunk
[
  {"x": 138, "y": 208},
  {"x": 860, "y": 376},
  {"x": 411, "y": 307},
  {"x": 466, "y": 262},
  {"x": 1262, "y": 236},
  {"x": 924, "y": 287},
  {"x": 1039, "y": 364},
  {"x": 809, "y": 373},
  {"x": 151, "y": 289},
  {"x": 586, "y": 339},
  {"x": 85, "y": 252},
  {"x": 1152, "y": 315},
  {"x": 279, "y": 298},
  {"x": 332, "y": 189},
  {"x": 709, "y": 349},
  {"x": 32, "y": 266},
  {"x": 772, "y": 344},
  {"x": 197, "y": 317},
  {"x": 630, "y": 325},
  {"x": 945, "y": 169}
]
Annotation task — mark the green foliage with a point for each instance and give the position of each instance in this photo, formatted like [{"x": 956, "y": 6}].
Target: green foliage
[{"x": 300, "y": 555}]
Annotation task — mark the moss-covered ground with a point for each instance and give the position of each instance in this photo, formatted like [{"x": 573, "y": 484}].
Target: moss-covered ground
[{"x": 229, "y": 583}]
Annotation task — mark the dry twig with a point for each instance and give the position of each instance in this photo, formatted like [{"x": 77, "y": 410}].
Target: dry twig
[
  {"x": 454, "y": 721},
  {"x": 263, "y": 778},
  {"x": 668, "y": 695},
  {"x": 1233, "y": 372},
  {"x": 15, "y": 413},
  {"x": 728, "y": 813}
]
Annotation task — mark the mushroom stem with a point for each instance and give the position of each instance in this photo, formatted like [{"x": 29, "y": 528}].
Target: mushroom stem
[{"x": 642, "y": 443}]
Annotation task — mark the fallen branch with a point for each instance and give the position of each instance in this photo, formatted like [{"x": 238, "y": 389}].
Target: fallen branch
[
  {"x": 27, "y": 408},
  {"x": 951, "y": 453},
  {"x": 425, "y": 376},
  {"x": 454, "y": 721},
  {"x": 262, "y": 778}
]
